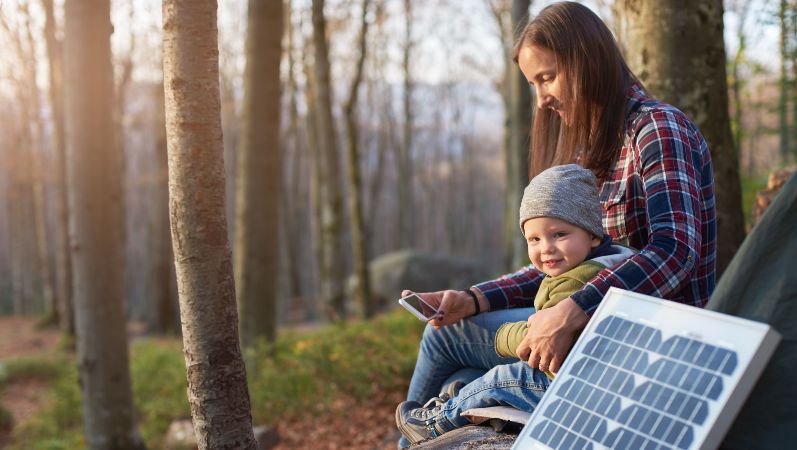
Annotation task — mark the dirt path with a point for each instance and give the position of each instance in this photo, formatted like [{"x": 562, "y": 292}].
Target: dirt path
[{"x": 19, "y": 336}]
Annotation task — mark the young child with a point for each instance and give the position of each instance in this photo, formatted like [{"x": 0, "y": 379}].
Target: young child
[{"x": 560, "y": 217}]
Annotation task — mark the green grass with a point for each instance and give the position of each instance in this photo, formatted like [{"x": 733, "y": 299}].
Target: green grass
[
  {"x": 15, "y": 369},
  {"x": 300, "y": 373},
  {"x": 750, "y": 187}
]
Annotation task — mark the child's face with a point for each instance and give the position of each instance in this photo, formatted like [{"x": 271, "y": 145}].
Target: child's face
[{"x": 556, "y": 246}]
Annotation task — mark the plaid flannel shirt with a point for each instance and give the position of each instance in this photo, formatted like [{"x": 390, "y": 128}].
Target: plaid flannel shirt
[{"x": 659, "y": 199}]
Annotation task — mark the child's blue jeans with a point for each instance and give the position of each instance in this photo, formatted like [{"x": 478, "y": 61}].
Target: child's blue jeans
[{"x": 465, "y": 351}]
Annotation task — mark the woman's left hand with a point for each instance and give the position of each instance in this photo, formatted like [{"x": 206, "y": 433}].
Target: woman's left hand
[{"x": 551, "y": 334}]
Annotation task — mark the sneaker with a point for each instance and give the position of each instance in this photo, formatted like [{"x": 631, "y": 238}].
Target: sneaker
[
  {"x": 419, "y": 422},
  {"x": 451, "y": 390}
]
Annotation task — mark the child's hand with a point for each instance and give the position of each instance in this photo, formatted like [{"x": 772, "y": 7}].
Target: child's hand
[{"x": 452, "y": 306}]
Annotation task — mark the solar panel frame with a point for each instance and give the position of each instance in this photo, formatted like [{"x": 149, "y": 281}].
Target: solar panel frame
[{"x": 713, "y": 359}]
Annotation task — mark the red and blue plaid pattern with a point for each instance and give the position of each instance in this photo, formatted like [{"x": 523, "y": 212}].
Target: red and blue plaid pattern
[{"x": 659, "y": 199}]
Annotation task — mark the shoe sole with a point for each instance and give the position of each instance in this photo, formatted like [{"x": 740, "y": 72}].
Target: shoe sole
[{"x": 408, "y": 433}]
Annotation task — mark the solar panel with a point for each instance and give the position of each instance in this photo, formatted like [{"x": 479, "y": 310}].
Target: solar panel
[{"x": 650, "y": 374}]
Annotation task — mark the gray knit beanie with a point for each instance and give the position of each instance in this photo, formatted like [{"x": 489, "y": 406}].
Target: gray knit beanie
[{"x": 569, "y": 193}]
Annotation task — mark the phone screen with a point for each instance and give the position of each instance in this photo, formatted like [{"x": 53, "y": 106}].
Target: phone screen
[{"x": 419, "y": 308}]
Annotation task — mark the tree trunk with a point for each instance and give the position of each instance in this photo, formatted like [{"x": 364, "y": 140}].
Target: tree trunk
[
  {"x": 37, "y": 138},
  {"x": 316, "y": 188},
  {"x": 95, "y": 228},
  {"x": 259, "y": 176},
  {"x": 362, "y": 290},
  {"x": 792, "y": 84},
  {"x": 783, "y": 98},
  {"x": 332, "y": 205},
  {"x": 20, "y": 195},
  {"x": 736, "y": 86},
  {"x": 63, "y": 262},
  {"x": 517, "y": 111},
  {"x": 406, "y": 181},
  {"x": 663, "y": 39},
  {"x": 217, "y": 391},
  {"x": 163, "y": 312},
  {"x": 26, "y": 207},
  {"x": 294, "y": 203}
]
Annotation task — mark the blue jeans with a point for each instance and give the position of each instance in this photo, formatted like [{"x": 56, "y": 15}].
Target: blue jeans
[{"x": 465, "y": 351}]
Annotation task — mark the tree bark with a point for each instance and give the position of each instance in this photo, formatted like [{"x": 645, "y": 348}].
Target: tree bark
[
  {"x": 664, "y": 37},
  {"x": 36, "y": 140},
  {"x": 20, "y": 194},
  {"x": 316, "y": 187},
  {"x": 163, "y": 310},
  {"x": 259, "y": 176},
  {"x": 294, "y": 204},
  {"x": 517, "y": 122},
  {"x": 332, "y": 199},
  {"x": 359, "y": 239},
  {"x": 95, "y": 228},
  {"x": 406, "y": 181},
  {"x": 736, "y": 86},
  {"x": 63, "y": 262},
  {"x": 217, "y": 391},
  {"x": 783, "y": 98}
]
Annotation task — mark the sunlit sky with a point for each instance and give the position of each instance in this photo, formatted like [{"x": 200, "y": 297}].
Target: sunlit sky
[{"x": 454, "y": 40}]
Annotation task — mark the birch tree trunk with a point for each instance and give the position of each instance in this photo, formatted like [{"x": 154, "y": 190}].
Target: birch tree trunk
[
  {"x": 664, "y": 38},
  {"x": 359, "y": 240},
  {"x": 26, "y": 207},
  {"x": 332, "y": 199},
  {"x": 783, "y": 97},
  {"x": 406, "y": 180},
  {"x": 63, "y": 262},
  {"x": 259, "y": 176},
  {"x": 510, "y": 16},
  {"x": 96, "y": 227},
  {"x": 293, "y": 215},
  {"x": 37, "y": 137},
  {"x": 217, "y": 391},
  {"x": 163, "y": 311},
  {"x": 22, "y": 255},
  {"x": 316, "y": 180}
]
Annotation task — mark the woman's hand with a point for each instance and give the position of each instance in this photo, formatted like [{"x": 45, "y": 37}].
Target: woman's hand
[
  {"x": 452, "y": 306},
  {"x": 551, "y": 334}
]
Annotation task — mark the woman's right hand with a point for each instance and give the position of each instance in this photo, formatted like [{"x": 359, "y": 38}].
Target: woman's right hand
[{"x": 452, "y": 306}]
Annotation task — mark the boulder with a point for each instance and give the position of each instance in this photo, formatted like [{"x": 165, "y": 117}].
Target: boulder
[
  {"x": 180, "y": 436},
  {"x": 407, "y": 269},
  {"x": 470, "y": 438}
]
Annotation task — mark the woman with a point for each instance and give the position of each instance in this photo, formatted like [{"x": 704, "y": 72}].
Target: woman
[{"x": 657, "y": 196}]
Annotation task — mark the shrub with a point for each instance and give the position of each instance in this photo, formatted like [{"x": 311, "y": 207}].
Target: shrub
[{"x": 299, "y": 373}]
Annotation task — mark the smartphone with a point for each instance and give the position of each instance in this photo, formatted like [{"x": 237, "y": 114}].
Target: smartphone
[{"x": 418, "y": 307}]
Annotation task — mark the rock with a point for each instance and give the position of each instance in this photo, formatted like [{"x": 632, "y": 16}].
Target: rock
[
  {"x": 266, "y": 437},
  {"x": 471, "y": 437},
  {"x": 408, "y": 269},
  {"x": 764, "y": 198},
  {"x": 180, "y": 436}
]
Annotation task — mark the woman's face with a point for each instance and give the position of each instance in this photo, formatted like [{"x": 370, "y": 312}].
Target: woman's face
[{"x": 539, "y": 67}]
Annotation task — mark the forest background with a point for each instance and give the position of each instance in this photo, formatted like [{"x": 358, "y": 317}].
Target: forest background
[{"x": 392, "y": 130}]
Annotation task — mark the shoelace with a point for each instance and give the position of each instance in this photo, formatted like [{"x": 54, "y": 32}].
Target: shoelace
[{"x": 431, "y": 408}]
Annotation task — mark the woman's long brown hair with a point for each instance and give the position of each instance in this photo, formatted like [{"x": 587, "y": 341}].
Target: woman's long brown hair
[{"x": 597, "y": 79}]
